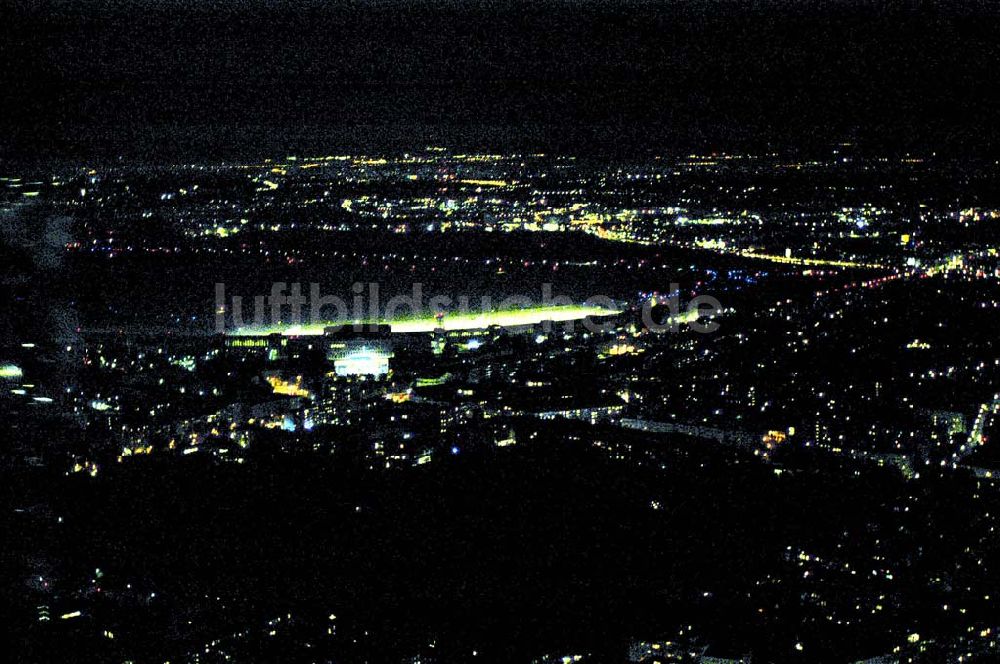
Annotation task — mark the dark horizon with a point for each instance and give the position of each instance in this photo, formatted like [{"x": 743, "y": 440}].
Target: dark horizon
[{"x": 170, "y": 79}]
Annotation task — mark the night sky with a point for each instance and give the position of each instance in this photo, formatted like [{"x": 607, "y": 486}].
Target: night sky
[{"x": 229, "y": 78}]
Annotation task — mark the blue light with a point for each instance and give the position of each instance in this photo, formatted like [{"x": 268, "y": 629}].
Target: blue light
[{"x": 454, "y": 449}]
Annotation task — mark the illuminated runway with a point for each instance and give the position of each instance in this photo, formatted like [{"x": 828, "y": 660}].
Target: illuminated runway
[{"x": 467, "y": 321}]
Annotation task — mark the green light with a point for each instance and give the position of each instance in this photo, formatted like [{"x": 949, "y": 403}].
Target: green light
[{"x": 10, "y": 371}]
